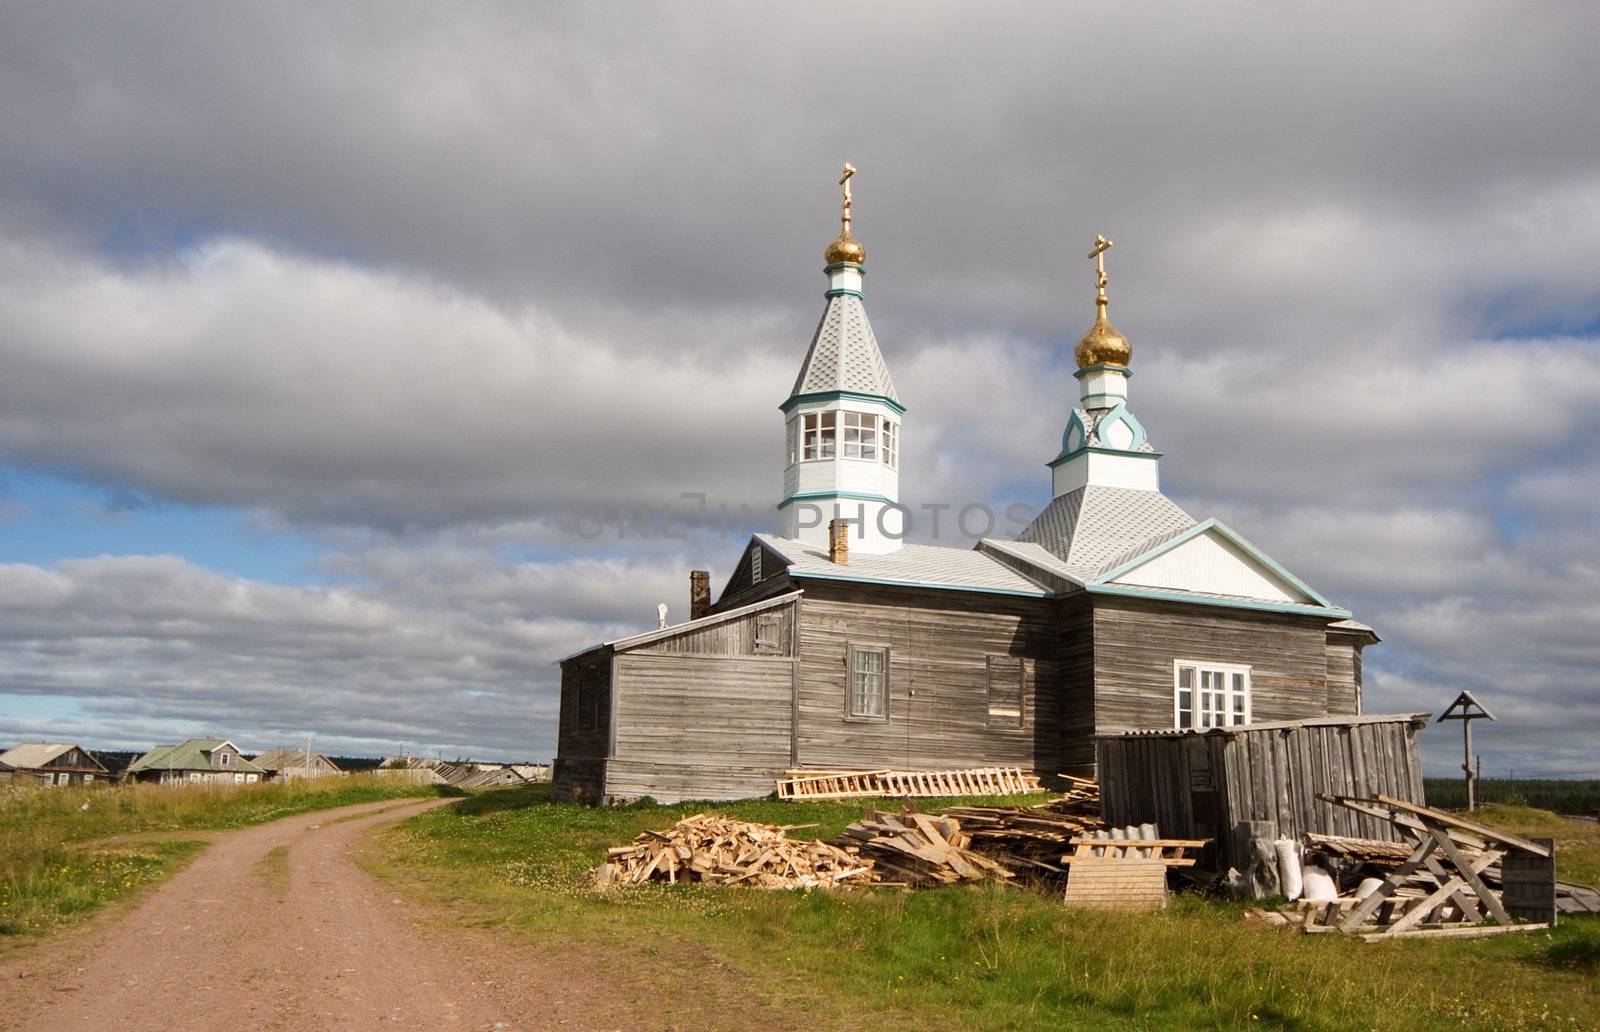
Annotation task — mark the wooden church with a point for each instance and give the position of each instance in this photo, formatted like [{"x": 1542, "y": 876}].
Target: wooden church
[{"x": 834, "y": 645}]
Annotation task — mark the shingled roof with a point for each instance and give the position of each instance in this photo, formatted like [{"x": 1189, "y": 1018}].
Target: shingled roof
[{"x": 844, "y": 354}]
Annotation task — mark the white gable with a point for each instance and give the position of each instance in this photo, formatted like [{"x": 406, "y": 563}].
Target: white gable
[{"x": 1210, "y": 563}]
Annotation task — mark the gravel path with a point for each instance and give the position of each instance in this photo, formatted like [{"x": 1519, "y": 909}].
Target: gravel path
[{"x": 276, "y": 927}]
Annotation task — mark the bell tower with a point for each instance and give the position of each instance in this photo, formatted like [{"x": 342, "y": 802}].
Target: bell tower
[{"x": 842, "y": 419}]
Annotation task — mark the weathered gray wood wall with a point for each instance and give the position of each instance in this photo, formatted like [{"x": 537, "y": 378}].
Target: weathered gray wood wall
[
  {"x": 1200, "y": 784},
  {"x": 1344, "y": 677},
  {"x": 938, "y": 686},
  {"x": 1136, "y": 643},
  {"x": 1075, "y": 655}
]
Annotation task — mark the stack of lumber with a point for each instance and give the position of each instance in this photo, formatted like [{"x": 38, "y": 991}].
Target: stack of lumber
[
  {"x": 905, "y": 784},
  {"x": 1032, "y": 837},
  {"x": 918, "y": 849},
  {"x": 717, "y": 850}
]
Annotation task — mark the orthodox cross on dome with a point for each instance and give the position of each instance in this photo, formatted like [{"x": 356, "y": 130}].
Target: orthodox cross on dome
[
  {"x": 1101, "y": 246},
  {"x": 844, "y": 181}
]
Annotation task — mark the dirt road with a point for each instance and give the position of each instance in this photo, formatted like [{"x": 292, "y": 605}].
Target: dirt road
[{"x": 276, "y": 927}]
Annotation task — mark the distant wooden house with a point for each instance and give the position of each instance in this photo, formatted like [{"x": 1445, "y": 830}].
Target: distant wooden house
[
  {"x": 835, "y": 644},
  {"x": 198, "y": 761},
  {"x": 53, "y": 763},
  {"x": 295, "y": 764}
]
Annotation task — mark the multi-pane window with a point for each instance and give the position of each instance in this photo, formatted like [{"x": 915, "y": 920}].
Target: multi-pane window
[
  {"x": 869, "y": 682},
  {"x": 1211, "y": 695},
  {"x": 891, "y": 444},
  {"x": 1005, "y": 691},
  {"x": 792, "y": 436},
  {"x": 860, "y": 435},
  {"x": 818, "y": 436}
]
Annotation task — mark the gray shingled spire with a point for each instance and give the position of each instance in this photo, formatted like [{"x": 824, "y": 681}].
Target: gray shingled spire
[{"x": 844, "y": 353}]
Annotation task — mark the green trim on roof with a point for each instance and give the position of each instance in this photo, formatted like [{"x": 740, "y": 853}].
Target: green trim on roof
[
  {"x": 855, "y": 495},
  {"x": 1331, "y": 612},
  {"x": 846, "y": 265},
  {"x": 800, "y": 399},
  {"x": 836, "y": 291},
  {"x": 1232, "y": 535},
  {"x": 1064, "y": 456}
]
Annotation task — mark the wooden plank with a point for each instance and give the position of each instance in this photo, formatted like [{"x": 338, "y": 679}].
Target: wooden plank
[
  {"x": 1481, "y": 830},
  {"x": 1478, "y": 932}
]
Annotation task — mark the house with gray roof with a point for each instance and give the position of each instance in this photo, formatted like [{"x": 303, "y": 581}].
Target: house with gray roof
[
  {"x": 56, "y": 764},
  {"x": 197, "y": 761},
  {"x": 837, "y": 643}
]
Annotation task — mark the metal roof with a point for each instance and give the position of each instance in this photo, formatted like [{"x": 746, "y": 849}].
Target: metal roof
[
  {"x": 917, "y": 566},
  {"x": 36, "y": 754},
  {"x": 1094, "y": 528},
  {"x": 844, "y": 354},
  {"x": 194, "y": 754}
]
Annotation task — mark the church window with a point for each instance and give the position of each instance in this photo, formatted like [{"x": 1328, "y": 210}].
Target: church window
[
  {"x": 891, "y": 444},
  {"x": 1005, "y": 691},
  {"x": 860, "y": 435},
  {"x": 1208, "y": 695},
  {"x": 819, "y": 437},
  {"x": 869, "y": 683},
  {"x": 792, "y": 433}
]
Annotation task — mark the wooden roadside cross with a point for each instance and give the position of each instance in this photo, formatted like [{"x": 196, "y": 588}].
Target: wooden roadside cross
[{"x": 1467, "y": 709}]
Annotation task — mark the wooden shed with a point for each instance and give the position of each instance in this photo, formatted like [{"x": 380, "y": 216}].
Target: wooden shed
[{"x": 1204, "y": 784}]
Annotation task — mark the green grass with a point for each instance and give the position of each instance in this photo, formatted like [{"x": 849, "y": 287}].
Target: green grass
[
  {"x": 1565, "y": 795},
  {"x": 986, "y": 956},
  {"x": 66, "y": 852}
]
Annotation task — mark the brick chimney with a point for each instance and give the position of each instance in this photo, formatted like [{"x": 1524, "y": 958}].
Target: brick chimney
[
  {"x": 699, "y": 593},
  {"x": 839, "y": 541}
]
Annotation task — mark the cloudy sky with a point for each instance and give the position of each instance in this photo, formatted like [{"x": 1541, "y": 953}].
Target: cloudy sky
[{"x": 329, "y": 332}]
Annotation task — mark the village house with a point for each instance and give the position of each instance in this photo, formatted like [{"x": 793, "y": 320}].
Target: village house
[
  {"x": 198, "y": 761},
  {"x": 295, "y": 764},
  {"x": 53, "y": 763},
  {"x": 835, "y": 644}
]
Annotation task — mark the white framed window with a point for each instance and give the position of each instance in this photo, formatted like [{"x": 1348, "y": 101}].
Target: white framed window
[
  {"x": 1207, "y": 695},
  {"x": 791, "y": 432},
  {"x": 226, "y": 759},
  {"x": 860, "y": 435},
  {"x": 88, "y": 779},
  {"x": 818, "y": 434},
  {"x": 891, "y": 444},
  {"x": 1004, "y": 675},
  {"x": 869, "y": 683}
]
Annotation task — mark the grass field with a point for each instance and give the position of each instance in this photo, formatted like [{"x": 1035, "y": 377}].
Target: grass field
[
  {"x": 989, "y": 957},
  {"x": 1570, "y": 796},
  {"x": 60, "y": 854}
]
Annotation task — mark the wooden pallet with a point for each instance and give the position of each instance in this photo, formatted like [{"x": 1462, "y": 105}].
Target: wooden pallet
[{"x": 906, "y": 784}]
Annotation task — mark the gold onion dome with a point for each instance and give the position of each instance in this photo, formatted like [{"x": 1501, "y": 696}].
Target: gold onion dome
[
  {"x": 1104, "y": 344},
  {"x": 845, "y": 249}
]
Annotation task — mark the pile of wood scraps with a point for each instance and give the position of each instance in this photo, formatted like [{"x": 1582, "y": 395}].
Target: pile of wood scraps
[
  {"x": 1441, "y": 887},
  {"x": 717, "y": 850},
  {"x": 905, "y": 784},
  {"x": 918, "y": 850},
  {"x": 1032, "y": 837}
]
